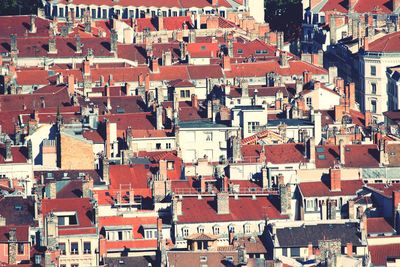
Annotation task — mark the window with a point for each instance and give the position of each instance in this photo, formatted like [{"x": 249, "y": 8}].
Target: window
[
  {"x": 87, "y": 248},
  {"x": 216, "y": 230},
  {"x": 200, "y": 229},
  {"x": 74, "y": 248},
  {"x": 182, "y": 93},
  {"x": 309, "y": 101},
  {"x": 74, "y": 265},
  {"x": 63, "y": 265},
  {"x": 170, "y": 165},
  {"x": 247, "y": 228},
  {"x": 373, "y": 70},
  {"x": 185, "y": 93},
  {"x": 373, "y": 106},
  {"x": 373, "y": 88},
  {"x": 252, "y": 126},
  {"x": 231, "y": 228},
  {"x": 61, "y": 220},
  {"x": 185, "y": 232},
  {"x": 158, "y": 146},
  {"x": 150, "y": 234},
  {"x": 310, "y": 204},
  {"x": 284, "y": 252},
  {"x": 295, "y": 252},
  {"x": 209, "y": 137},
  {"x": 168, "y": 145},
  {"x": 240, "y": 51},
  {"x": 20, "y": 248},
  {"x": 203, "y": 258},
  {"x": 62, "y": 248}
]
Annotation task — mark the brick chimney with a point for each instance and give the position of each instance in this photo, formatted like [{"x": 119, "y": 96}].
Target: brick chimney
[
  {"x": 244, "y": 84},
  {"x": 163, "y": 169},
  {"x": 195, "y": 102},
  {"x": 226, "y": 63},
  {"x": 349, "y": 249},
  {"x": 106, "y": 170},
  {"x": 317, "y": 85},
  {"x": 147, "y": 83},
  {"x": 283, "y": 59},
  {"x": 342, "y": 152},
  {"x": 86, "y": 67},
  {"x": 335, "y": 179},
  {"x": 365, "y": 43},
  {"x": 310, "y": 250},
  {"x": 12, "y": 246},
  {"x": 264, "y": 177},
  {"x": 339, "y": 111},
  {"x": 155, "y": 68},
  {"x": 140, "y": 79},
  {"x": 223, "y": 203},
  {"x": 311, "y": 149},
  {"x": 352, "y": 95},
  {"x": 71, "y": 84},
  {"x": 203, "y": 185}
]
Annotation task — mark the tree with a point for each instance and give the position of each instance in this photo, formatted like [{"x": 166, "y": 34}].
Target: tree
[
  {"x": 284, "y": 15},
  {"x": 16, "y": 7}
]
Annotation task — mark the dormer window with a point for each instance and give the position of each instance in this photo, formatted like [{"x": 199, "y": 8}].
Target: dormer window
[
  {"x": 185, "y": 232},
  {"x": 170, "y": 165},
  {"x": 240, "y": 51},
  {"x": 216, "y": 230},
  {"x": 200, "y": 229}
]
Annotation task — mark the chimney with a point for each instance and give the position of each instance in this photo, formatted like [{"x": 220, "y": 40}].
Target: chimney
[
  {"x": 12, "y": 246},
  {"x": 114, "y": 41},
  {"x": 364, "y": 227},
  {"x": 222, "y": 203},
  {"x": 71, "y": 84},
  {"x": 225, "y": 186},
  {"x": 299, "y": 87},
  {"x": 285, "y": 199},
  {"x": 339, "y": 111},
  {"x": 147, "y": 83},
  {"x": 160, "y": 22},
  {"x": 264, "y": 178},
  {"x": 203, "y": 184},
  {"x": 52, "y": 190},
  {"x": 352, "y": 95},
  {"x": 349, "y": 249},
  {"x": 8, "y": 154},
  {"x": 332, "y": 74},
  {"x": 140, "y": 79},
  {"x": 163, "y": 169},
  {"x": 195, "y": 102},
  {"x": 283, "y": 59},
  {"x": 365, "y": 43},
  {"x": 244, "y": 84},
  {"x": 106, "y": 170},
  {"x": 351, "y": 209},
  {"x": 108, "y": 137},
  {"x": 176, "y": 208},
  {"x": 183, "y": 50},
  {"x": 307, "y": 76},
  {"x": 367, "y": 118},
  {"x": 159, "y": 118},
  {"x": 382, "y": 153},
  {"x": 86, "y": 67},
  {"x": 332, "y": 209},
  {"x": 167, "y": 58},
  {"x": 333, "y": 29},
  {"x": 342, "y": 152},
  {"x": 87, "y": 186},
  {"x": 52, "y": 43},
  {"x": 226, "y": 63},
  {"x": 29, "y": 147},
  {"x": 335, "y": 179},
  {"x": 209, "y": 109},
  {"x": 310, "y": 250},
  {"x": 3, "y": 221},
  {"x": 78, "y": 44},
  {"x": 87, "y": 21},
  {"x": 33, "y": 28},
  {"x": 155, "y": 68},
  {"x": 311, "y": 149},
  {"x": 13, "y": 43}
]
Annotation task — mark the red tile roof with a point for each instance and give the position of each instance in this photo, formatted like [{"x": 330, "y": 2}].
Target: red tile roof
[
  {"x": 379, "y": 225},
  {"x": 135, "y": 175},
  {"x": 377, "y": 6},
  {"x": 276, "y": 154},
  {"x": 19, "y": 155},
  {"x": 135, "y": 222},
  {"x": 150, "y": 3},
  {"x": 390, "y": 43},
  {"x": 259, "y": 69},
  {"x": 383, "y": 189},
  {"x": 22, "y": 233},
  {"x": 20, "y": 25},
  {"x": 241, "y": 209},
  {"x": 321, "y": 189},
  {"x": 380, "y": 254}
]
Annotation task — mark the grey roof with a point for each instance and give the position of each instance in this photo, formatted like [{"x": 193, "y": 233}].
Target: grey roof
[
  {"x": 18, "y": 210},
  {"x": 257, "y": 107},
  {"x": 303, "y": 235},
  {"x": 137, "y": 160},
  {"x": 201, "y": 124},
  {"x": 131, "y": 261},
  {"x": 290, "y": 122}
]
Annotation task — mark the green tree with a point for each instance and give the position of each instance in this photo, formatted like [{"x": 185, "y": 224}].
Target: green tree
[
  {"x": 284, "y": 15},
  {"x": 16, "y": 7}
]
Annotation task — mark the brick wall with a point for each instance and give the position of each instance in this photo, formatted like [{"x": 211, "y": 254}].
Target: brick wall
[{"x": 73, "y": 149}]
